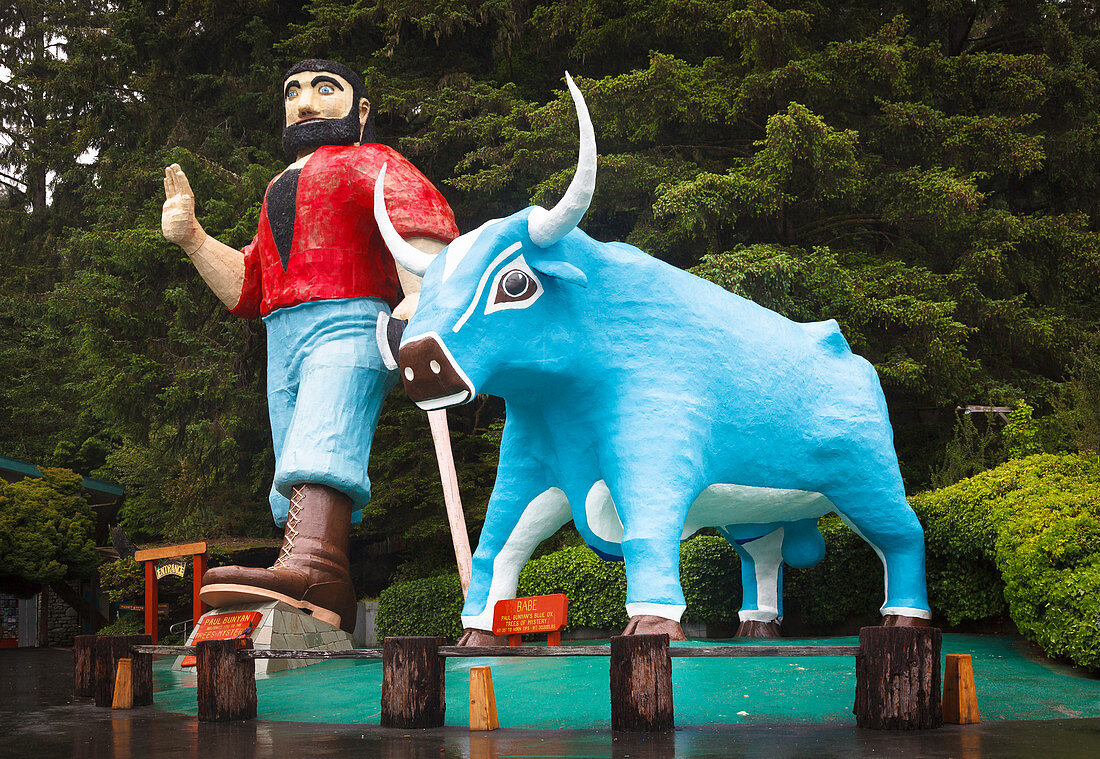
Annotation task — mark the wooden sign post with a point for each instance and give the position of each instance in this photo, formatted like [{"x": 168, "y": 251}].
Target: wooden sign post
[
  {"x": 150, "y": 557},
  {"x": 534, "y": 614}
]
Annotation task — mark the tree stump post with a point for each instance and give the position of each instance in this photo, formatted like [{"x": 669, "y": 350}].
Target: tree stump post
[
  {"x": 141, "y": 677},
  {"x": 641, "y": 684},
  {"x": 226, "y": 684},
  {"x": 108, "y": 650},
  {"x": 84, "y": 666},
  {"x": 412, "y": 682},
  {"x": 898, "y": 678}
]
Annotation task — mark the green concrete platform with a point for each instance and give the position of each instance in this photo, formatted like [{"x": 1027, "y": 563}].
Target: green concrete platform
[{"x": 1013, "y": 682}]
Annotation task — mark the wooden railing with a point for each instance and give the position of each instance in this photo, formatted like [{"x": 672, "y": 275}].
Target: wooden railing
[{"x": 897, "y": 674}]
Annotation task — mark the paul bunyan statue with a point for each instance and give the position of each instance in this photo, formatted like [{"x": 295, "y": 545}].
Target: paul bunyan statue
[{"x": 318, "y": 274}]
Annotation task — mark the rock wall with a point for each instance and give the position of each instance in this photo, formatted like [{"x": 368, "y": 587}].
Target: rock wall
[{"x": 64, "y": 622}]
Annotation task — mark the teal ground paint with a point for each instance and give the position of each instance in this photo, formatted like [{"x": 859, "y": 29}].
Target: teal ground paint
[{"x": 1013, "y": 683}]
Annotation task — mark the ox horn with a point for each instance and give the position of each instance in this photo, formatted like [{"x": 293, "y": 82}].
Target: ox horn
[
  {"x": 547, "y": 227},
  {"x": 414, "y": 260}
]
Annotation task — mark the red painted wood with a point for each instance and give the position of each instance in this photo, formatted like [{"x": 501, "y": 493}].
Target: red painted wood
[
  {"x": 198, "y": 569},
  {"x": 151, "y": 600},
  {"x": 534, "y": 614}
]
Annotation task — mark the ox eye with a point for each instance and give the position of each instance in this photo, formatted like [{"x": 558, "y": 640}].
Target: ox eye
[
  {"x": 515, "y": 287},
  {"x": 515, "y": 284}
]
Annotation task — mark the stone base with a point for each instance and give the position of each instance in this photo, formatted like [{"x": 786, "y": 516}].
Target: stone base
[{"x": 283, "y": 626}]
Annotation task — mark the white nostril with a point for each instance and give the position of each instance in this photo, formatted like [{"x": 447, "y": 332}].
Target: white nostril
[
  {"x": 434, "y": 366},
  {"x": 409, "y": 373}
]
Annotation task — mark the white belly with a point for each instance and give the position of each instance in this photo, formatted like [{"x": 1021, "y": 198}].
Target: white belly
[{"x": 719, "y": 505}]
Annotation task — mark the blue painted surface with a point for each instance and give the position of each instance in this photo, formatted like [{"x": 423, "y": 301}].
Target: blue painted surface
[
  {"x": 661, "y": 384},
  {"x": 325, "y": 387}
]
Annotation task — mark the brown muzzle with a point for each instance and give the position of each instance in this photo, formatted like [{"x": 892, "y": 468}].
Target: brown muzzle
[{"x": 431, "y": 379}]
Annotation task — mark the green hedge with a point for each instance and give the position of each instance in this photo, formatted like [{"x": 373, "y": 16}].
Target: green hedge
[
  {"x": 428, "y": 606},
  {"x": 845, "y": 586},
  {"x": 709, "y": 570},
  {"x": 1035, "y": 522}
]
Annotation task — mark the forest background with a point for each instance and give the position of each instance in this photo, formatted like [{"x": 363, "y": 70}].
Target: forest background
[{"x": 924, "y": 172}]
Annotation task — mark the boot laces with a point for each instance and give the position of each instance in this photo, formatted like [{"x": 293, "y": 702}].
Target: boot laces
[{"x": 290, "y": 532}]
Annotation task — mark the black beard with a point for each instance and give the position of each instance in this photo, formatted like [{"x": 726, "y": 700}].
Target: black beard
[{"x": 314, "y": 134}]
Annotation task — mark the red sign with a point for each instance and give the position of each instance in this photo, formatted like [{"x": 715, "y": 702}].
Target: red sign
[
  {"x": 223, "y": 627},
  {"x": 534, "y": 614}
]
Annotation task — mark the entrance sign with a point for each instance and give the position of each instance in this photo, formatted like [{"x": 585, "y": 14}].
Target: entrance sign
[
  {"x": 223, "y": 627},
  {"x": 174, "y": 567},
  {"x": 534, "y": 614},
  {"x": 152, "y": 575}
]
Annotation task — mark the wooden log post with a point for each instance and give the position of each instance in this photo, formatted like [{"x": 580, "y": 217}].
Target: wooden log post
[
  {"x": 108, "y": 650},
  {"x": 141, "y": 677},
  {"x": 641, "y": 684},
  {"x": 960, "y": 699},
  {"x": 84, "y": 666},
  {"x": 412, "y": 683},
  {"x": 898, "y": 678},
  {"x": 226, "y": 684}
]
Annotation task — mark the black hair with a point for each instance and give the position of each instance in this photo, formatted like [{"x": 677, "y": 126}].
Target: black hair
[{"x": 358, "y": 87}]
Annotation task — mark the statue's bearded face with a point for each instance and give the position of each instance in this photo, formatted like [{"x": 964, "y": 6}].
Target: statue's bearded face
[{"x": 321, "y": 109}]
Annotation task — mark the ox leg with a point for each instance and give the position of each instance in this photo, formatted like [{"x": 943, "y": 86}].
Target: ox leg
[
  {"x": 654, "y": 598},
  {"x": 510, "y": 534},
  {"x": 898, "y": 539},
  {"x": 761, "y": 584}
]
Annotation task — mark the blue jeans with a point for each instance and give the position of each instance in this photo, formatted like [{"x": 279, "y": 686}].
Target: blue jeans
[{"x": 325, "y": 387}]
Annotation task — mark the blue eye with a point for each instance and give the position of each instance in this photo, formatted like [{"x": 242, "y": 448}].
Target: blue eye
[
  {"x": 292, "y": 94},
  {"x": 326, "y": 89}
]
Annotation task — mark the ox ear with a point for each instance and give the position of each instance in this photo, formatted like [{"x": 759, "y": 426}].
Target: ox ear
[{"x": 561, "y": 270}]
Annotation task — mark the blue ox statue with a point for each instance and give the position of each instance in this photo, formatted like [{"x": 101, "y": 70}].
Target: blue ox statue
[{"x": 645, "y": 403}]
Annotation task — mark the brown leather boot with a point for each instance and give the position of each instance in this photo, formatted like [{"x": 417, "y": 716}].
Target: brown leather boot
[{"x": 311, "y": 572}]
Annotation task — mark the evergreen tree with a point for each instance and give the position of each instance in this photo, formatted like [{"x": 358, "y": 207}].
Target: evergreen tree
[{"x": 926, "y": 174}]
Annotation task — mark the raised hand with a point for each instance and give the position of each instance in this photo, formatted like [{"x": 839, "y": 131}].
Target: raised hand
[{"x": 177, "y": 218}]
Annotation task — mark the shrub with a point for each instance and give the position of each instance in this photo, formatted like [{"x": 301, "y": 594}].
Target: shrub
[
  {"x": 45, "y": 529},
  {"x": 847, "y": 583},
  {"x": 709, "y": 569},
  {"x": 123, "y": 579},
  {"x": 1037, "y": 522},
  {"x": 428, "y": 606},
  {"x": 127, "y": 624},
  {"x": 710, "y": 574},
  {"x": 596, "y": 589}
]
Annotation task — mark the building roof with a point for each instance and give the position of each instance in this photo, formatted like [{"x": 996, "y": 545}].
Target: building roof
[{"x": 13, "y": 469}]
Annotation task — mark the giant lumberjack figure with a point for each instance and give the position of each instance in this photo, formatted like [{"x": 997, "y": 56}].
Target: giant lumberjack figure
[{"x": 318, "y": 274}]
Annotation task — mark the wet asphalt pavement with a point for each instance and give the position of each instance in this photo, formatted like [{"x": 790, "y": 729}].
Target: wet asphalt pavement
[{"x": 40, "y": 719}]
